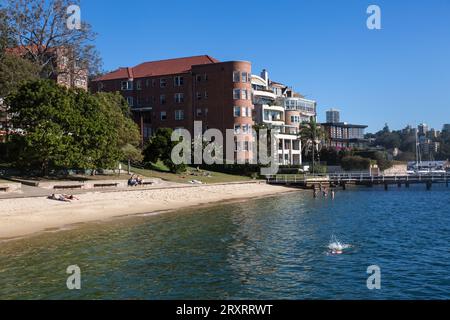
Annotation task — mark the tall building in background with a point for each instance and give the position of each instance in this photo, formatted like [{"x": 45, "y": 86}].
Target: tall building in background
[
  {"x": 446, "y": 127},
  {"x": 333, "y": 116},
  {"x": 176, "y": 92},
  {"x": 342, "y": 135},
  {"x": 422, "y": 129}
]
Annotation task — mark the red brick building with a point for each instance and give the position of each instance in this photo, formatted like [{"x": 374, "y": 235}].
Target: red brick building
[
  {"x": 62, "y": 66},
  {"x": 176, "y": 92}
]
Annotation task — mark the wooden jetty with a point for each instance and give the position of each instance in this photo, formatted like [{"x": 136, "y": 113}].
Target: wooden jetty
[{"x": 365, "y": 179}]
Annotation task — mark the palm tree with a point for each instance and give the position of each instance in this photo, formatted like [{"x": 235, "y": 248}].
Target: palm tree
[{"x": 311, "y": 135}]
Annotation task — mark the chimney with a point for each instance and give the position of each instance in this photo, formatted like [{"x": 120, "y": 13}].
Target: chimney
[{"x": 265, "y": 76}]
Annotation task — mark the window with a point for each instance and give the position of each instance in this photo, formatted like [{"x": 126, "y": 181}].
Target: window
[
  {"x": 153, "y": 83},
  {"x": 199, "y": 112},
  {"x": 205, "y": 77},
  {"x": 244, "y": 94},
  {"x": 179, "y": 115},
  {"x": 244, "y": 77},
  {"x": 178, "y": 81},
  {"x": 206, "y": 94},
  {"x": 147, "y": 83},
  {"x": 244, "y": 112},
  {"x": 139, "y": 85},
  {"x": 236, "y": 76},
  {"x": 199, "y": 96},
  {"x": 101, "y": 86},
  {"x": 199, "y": 78},
  {"x": 162, "y": 99},
  {"x": 179, "y": 97},
  {"x": 245, "y": 128},
  {"x": 162, "y": 83},
  {"x": 237, "y": 111},
  {"x": 130, "y": 101},
  {"x": 237, "y": 128},
  {"x": 127, "y": 85},
  {"x": 206, "y": 112},
  {"x": 237, "y": 94},
  {"x": 246, "y": 146},
  {"x": 163, "y": 115}
]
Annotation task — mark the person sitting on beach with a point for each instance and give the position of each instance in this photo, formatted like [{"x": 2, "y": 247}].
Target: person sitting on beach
[{"x": 132, "y": 182}]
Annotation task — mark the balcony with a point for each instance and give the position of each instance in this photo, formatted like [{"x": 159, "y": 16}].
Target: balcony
[{"x": 264, "y": 93}]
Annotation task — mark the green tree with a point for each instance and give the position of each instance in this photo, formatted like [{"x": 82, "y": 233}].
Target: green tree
[
  {"x": 355, "y": 163},
  {"x": 65, "y": 128},
  {"x": 43, "y": 111},
  {"x": 312, "y": 135},
  {"x": 116, "y": 108},
  {"x": 14, "y": 71},
  {"x": 160, "y": 148}
]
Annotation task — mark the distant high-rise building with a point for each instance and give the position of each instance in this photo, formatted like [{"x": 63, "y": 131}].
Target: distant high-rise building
[
  {"x": 446, "y": 127},
  {"x": 423, "y": 129},
  {"x": 333, "y": 116}
]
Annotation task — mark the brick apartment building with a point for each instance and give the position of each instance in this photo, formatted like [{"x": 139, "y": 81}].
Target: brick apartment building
[
  {"x": 62, "y": 67},
  {"x": 176, "y": 92}
]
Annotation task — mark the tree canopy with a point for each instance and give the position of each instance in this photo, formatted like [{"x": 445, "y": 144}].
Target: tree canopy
[
  {"x": 67, "y": 128},
  {"x": 38, "y": 27},
  {"x": 160, "y": 148}
]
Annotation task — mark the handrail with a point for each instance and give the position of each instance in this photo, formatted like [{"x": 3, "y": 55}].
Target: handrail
[{"x": 361, "y": 177}]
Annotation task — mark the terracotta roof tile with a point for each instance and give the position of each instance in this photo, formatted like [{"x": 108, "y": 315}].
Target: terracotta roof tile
[{"x": 158, "y": 68}]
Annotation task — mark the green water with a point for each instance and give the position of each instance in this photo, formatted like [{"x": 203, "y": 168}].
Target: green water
[{"x": 272, "y": 248}]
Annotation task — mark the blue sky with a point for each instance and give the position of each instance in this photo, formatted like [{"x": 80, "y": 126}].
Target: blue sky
[{"x": 399, "y": 75}]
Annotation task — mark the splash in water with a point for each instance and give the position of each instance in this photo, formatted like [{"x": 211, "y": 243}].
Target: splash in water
[{"x": 337, "y": 247}]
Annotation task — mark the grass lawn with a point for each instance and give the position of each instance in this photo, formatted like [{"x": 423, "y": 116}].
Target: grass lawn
[
  {"x": 193, "y": 174},
  {"x": 159, "y": 170},
  {"x": 4, "y": 181}
]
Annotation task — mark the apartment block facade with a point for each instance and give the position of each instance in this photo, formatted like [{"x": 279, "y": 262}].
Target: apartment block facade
[
  {"x": 282, "y": 110},
  {"x": 342, "y": 135},
  {"x": 175, "y": 93}
]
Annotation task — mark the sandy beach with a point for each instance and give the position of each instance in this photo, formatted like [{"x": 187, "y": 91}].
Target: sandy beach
[{"x": 27, "y": 216}]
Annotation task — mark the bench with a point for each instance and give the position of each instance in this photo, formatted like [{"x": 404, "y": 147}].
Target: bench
[
  {"x": 4, "y": 188},
  {"x": 105, "y": 185},
  {"x": 76, "y": 186}
]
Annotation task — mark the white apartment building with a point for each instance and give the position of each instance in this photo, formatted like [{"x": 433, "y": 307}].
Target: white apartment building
[{"x": 282, "y": 110}]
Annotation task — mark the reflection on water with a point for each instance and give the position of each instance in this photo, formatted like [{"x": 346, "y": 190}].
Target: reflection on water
[{"x": 266, "y": 248}]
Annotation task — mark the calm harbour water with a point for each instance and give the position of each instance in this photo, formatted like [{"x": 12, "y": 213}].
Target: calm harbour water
[{"x": 271, "y": 248}]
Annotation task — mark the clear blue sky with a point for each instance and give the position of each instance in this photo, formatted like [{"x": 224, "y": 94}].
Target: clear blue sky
[{"x": 399, "y": 75}]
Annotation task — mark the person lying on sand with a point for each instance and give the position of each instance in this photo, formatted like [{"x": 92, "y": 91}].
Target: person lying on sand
[
  {"x": 70, "y": 197},
  {"x": 58, "y": 198}
]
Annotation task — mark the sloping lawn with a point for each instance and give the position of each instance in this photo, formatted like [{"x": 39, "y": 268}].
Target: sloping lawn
[{"x": 192, "y": 174}]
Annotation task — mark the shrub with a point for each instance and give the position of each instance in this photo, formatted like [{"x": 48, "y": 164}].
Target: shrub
[{"x": 355, "y": 163}]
